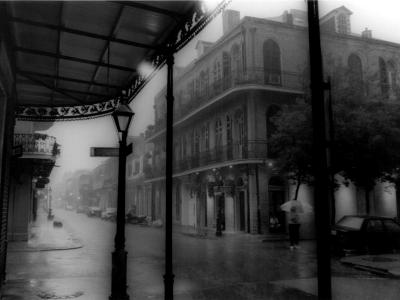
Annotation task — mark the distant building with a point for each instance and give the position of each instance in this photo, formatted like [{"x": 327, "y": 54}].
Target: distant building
[{"x": 34, "y": 158}]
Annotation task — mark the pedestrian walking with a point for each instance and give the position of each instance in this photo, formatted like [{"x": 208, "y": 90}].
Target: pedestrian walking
[{"x": 294, "y": 227}]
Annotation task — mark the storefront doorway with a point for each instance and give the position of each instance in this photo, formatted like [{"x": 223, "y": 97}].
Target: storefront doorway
[{"x": 276, "y": 196}]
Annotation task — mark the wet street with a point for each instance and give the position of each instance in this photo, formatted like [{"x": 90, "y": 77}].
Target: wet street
[{"x": 237, "y": 266}]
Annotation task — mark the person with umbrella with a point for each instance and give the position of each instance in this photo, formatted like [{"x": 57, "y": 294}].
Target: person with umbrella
[{"x": 294, "y": 208}]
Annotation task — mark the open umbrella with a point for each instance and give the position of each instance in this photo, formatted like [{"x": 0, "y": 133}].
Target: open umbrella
[{"x": 296, "y": 206}]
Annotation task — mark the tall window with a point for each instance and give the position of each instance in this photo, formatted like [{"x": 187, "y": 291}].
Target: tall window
[
  {"x": 218, "y": 133},
  {"x": 207, "y": 137},
  {"x": 183, "y": 145},
  {"x": 272, "y": 63},
  {"x": 383, "y": 77},
  {"x": 272, "y": 111},
  {"x": 228, "y": 130},
  {"x": 392, "y": 74},
  {"x": 236, "y": 63},
  {"x": 196, "y": 143},
  {"x": 229, "y": 136},
  {"x": 226, "y": 70},
  {"x": 217, "y": 75},
  {"x": 355, "y": 73},
  {"x": 239, "y": 133},
  {"x": 203, "y": 84}
]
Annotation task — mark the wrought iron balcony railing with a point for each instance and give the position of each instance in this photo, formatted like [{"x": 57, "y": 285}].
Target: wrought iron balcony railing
[
  {"x": 209, "y": 90},
  {"x": 223, "y": 153},
  {"x": 37, "y": 144}
]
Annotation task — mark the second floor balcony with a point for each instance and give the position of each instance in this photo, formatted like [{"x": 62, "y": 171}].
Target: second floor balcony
[
  {"x": 187, "y": 101},
  {"x": 37, "y": 146},
  {"x": 236, "y": 152}
]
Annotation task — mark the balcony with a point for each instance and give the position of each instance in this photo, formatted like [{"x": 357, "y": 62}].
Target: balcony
[
  {"x": 278, "y": 81},
  {"x": 37, "y": 146},
  {"x": 226, "y": 153}
]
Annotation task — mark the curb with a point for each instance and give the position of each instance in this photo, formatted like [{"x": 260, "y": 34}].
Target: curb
[
  {"x": 47, "y": 249},
  {"x": 374, "y": 270}
]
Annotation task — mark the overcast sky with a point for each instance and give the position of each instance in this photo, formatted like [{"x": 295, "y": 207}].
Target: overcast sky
[{"x": 77, "y": 137}]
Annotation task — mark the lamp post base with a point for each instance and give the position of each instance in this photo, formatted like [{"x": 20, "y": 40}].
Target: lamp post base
[{"x": 118, "y": 279}]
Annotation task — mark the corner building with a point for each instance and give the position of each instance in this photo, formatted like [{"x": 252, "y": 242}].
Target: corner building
[{"x": 224, "y": 102}]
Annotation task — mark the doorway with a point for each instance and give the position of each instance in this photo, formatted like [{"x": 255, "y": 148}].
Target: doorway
[{"x": 276, "y": 196}]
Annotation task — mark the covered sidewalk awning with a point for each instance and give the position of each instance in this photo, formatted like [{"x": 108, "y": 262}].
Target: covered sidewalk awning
[{"x": 75, "y": 60}]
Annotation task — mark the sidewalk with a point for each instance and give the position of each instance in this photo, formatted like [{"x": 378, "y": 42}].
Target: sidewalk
[
  {"x": 44, "y": 236},
  {"x": 349, "y": 288},
  {"x": 382, "y": 264}
]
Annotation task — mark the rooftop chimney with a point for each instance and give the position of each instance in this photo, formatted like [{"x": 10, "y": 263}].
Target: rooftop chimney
[
  {"x": 367, "y": 33},
  {"x": 230, "y": 18},
  {"x": 288, "y": 18}
]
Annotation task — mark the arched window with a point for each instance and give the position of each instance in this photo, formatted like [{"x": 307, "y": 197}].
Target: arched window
[
  {"x": 236, "y": 63},
  {"x": 272, "y": 63},
  {"x": 355, "y": 73},
  {"x": 383, "y": 77},
  {"x": 342, "y": 24},
  {"x": 226, "y": 70},
  {"x": 272, "y": 111}
]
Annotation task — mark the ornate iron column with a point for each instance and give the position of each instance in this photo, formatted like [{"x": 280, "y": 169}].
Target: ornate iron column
[
  {"x": 169, "y": 275},
  {"x": 320, "y": 150},
  {"x": 122, "y": 117},
  {"x": 119, "y": 256}
]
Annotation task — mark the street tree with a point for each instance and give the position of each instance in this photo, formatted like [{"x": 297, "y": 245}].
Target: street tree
[{"x": 291, "y": 143}]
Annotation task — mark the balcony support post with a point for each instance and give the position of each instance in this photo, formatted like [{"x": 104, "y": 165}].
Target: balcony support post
[{"x": 169, "y": 275}]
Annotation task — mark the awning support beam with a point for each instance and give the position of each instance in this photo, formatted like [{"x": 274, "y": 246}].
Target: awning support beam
[
  {"x": 37, "y": 81},
  {"x": 76, "y": 59},
  {"x": 83, "y": 33},
  {"x": 23, "y": 72},
  {"x": 107, "y": 47}
]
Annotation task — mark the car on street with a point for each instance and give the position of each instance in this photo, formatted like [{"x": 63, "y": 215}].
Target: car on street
[
  {"x": 365, "y": 234},
  {"x": 94, "y": 211},
  {"x": 109, "y": 214}
]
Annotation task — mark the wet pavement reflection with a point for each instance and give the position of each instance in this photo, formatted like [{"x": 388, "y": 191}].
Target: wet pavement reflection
[{"x": 236, "y": 266}]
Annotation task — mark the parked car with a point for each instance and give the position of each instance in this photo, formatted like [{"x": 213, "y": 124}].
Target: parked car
[
  {"x": 81, "y": 209},
  {"x": 132, "y": 218},
  {"x": 109, "y": 214},
  {"x": 366, "y": 234},
  {"x": 69, "y": 207},
  {"x": 93, "y": 211}
]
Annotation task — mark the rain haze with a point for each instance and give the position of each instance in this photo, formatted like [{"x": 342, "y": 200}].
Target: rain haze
[{"x": 255, "y": 196}]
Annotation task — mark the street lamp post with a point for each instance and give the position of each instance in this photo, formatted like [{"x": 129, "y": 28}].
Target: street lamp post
[{"x": 122, "y": 117}]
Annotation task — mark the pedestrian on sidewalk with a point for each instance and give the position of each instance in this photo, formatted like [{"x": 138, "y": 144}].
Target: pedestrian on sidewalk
[{"x": 294, "y": 227}]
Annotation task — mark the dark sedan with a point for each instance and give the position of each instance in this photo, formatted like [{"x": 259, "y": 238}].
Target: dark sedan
[{"x": 366, "y": 234}]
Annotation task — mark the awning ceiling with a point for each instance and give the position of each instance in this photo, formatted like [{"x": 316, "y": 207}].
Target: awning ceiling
[{"x": 74, "y": 59}]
